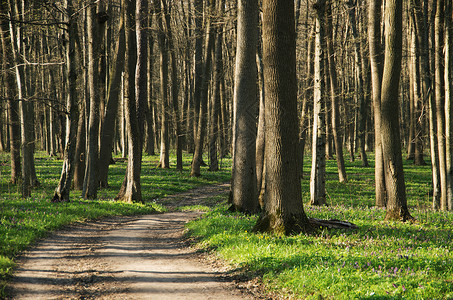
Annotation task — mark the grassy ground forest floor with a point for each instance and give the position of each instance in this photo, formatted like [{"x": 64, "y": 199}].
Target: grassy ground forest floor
[{"x": 380, "y": 260}]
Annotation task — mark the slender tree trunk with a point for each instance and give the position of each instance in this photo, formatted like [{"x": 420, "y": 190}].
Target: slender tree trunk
[
  {"x": 26, "y": 120},
  {"x": 335, "y": 118},
  {"x": 376, "y": 60},
  {"x": 164, "y": 135},
  {"x": 149, "y": 109},
  {"x": 201, "y": 131},
  {"x": 261, "y": 130},
  {"x": 361, "y": 122},
  {"x": 64, "y": 185},
  {"x": 448, "y": 101},
  {"x": 284, "y": 212},
  {"x": 440, "y": 101},
  {"x": 216, "y": 108},
  {"x": 13, "y": 106},
  {"x": 390, "y": 128},
  {"x": 198, "y": 64},
  {"x": 318, "y": 168},
  {"x": 111, "y": 107},
  {"x": 91, "y": 182},
  {"x": 174, "y": 88},
  {"x": 131, "y": 188},
  {"x": 243, "y": 185},
  {"x": 79, "y": 164}
]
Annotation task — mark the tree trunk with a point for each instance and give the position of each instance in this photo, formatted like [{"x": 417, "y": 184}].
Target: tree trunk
[
  {"x": 361, "y": 122},
  {"x": 390, "y": 130},
  {"x": 13, "y": 106},
  {"x": 64, "y": 185},
  {"x": 216, "y": 108},
  {"x": 318, "y": 167},
  {"x": 174, "y": 88},
  {"x": 261, "y": 130},
  {"x": 131, "y": 188},
  {"x": 80, "y": 155},
  {"x": 111, "y": 106},
  {"x": 448, "y": 101},
  {"x": 440, "y": 101},
  {"x": 335, "y": 118},
  {"x": 376, "y": 60},
  {"x": 26, "y": 120},
  {"x": 243, "y": 185},
  {"x": 201, "y": 124},
  {"x": 284, "y": 212},
  {"x": 164, "y": 135},
  {"x": 91, "y": 181}
]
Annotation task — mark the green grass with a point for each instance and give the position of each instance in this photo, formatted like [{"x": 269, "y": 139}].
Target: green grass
[
  {"x": 380, "y": 260},
  {"x": 23, "y": 221}
]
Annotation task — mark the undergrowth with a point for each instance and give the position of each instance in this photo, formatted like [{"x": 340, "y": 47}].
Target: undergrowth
[{"x": 379, "y": 260}]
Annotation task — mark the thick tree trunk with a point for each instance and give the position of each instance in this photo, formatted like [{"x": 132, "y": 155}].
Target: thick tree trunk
[
  {"x": 390, "y": 130},
  {"x": 243, "y": 185},
  {"x": 284, "y": 212},
  {"x": 64, "y": 185},
  {"x": 318, "y": 168}
]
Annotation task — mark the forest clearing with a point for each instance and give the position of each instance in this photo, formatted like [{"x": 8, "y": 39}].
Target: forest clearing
[{"x": 304, "y": 147}]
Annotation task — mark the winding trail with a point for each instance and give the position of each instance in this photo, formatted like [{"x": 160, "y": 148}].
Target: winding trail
[{"x": 139, "y": 257}]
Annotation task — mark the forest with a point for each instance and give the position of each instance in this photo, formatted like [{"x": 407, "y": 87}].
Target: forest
[{"x": 329, "y": 120}]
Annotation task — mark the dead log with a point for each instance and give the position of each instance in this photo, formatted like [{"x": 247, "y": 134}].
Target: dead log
[{"x": 332, "y": 224}]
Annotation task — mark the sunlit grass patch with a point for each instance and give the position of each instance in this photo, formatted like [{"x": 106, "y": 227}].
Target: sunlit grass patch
[{"x": 380, "y": 260}]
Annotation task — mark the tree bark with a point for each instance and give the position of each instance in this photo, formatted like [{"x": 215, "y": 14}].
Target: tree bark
[
  {"x": 284, "y": 212},
  {"x": 174, "y": 87},
  {"x": 376, "y": 60},
  {"x": 111, "y": 107},
  {"x": 390, "y": 132},
  {"x": 440, "y": 101},
  {"x": 335, "y": 117},
  {"x": 62, "y": 191},
  {"x": 361, "y": 122},
  {"x": 91, "y": 181},
  {"x": 13, "y": 105},
  {"x": 201, "y": 124},
  {"x": 448, "y": 101},
  {"x": 164, "y": 135},
  {"x": 243, "y": 185},
  {"x": 318, "y": 168},
  {"x": 131, "y": 188}
]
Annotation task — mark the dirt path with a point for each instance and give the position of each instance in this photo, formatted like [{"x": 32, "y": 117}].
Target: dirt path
[{"x": 142, "y": 257}]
